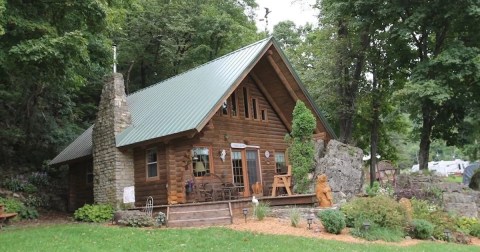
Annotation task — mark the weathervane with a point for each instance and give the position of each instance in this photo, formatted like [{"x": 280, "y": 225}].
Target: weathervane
[{"x": 267, "y": 11}]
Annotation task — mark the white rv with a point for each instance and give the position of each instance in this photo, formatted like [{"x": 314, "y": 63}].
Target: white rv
[{"x": 445, "y": 168}]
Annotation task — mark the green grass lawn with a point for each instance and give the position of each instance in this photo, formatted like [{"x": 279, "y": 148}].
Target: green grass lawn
[
  {"x": 91, "y": 237},
  {"x": 454, "y": 179}
]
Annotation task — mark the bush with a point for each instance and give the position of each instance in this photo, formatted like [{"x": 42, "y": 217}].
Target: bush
[
  {"x": 301, "y": 149},
  {"x": 161, "y": 219},
  {"x": 30, "y": 189},
  {"x": 373, "y": 191},
  {"x": 16, "y": 206},
  {"x": 36, "y": 201},
  {"x": 38, "y": 179},
  {"x": 332, "y": 220},
  {"x": 94, "y": 213},
  {"x": 378, "y": 233},
  {"x": 422, "y": 209},
  {"x": 294, "y": 217},
  {"x": 28, "y": 213},
  {"x": 465, "y": 224},
  {"x": 261, "y": 211},
  {"x": 137, "y": 219},
  {"x": 422, "y": 229},
  {"x": 379, "y": 210},
  {"x": 475, "y": 230},
  {"x": 14, "y": 184},
  {"x": 12, "y": 205}
]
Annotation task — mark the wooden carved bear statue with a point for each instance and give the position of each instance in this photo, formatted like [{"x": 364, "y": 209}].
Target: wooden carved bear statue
[{"x": 323, "y": 191}]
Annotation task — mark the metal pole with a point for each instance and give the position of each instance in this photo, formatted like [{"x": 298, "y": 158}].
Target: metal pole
[{"x": 114, "y": 58}]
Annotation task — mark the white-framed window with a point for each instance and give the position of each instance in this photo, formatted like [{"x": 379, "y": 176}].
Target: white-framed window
[
  {"x": 280, "y": 162},
  {"x": 202, "y": 164},
  {"x": 152, "y": 164}
]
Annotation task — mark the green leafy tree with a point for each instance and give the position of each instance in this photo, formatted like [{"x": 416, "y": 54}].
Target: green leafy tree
[
  {"x": 52, "y": 55},
  {"x": 163, "y": 38},
  {"x": 301, "y": 147},
  {"x": 444, "y": 79}
]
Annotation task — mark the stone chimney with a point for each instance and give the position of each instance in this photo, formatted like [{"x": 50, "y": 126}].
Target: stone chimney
[{"x": 112, "y": 168}]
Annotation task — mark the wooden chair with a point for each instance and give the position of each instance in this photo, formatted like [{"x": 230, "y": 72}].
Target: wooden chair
[
  {"x": 282, "y": 181},
  {"x": 385, "y": 173}
]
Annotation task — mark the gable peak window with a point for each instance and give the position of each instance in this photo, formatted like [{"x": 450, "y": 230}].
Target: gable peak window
[
  {"x": 234, "y": 106},
  {"x": 245, "y": 102},
  {"x": 225, "y": 108}
]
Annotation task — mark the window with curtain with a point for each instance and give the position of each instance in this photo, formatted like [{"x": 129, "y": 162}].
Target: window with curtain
[{"x": 201, "y": 161}]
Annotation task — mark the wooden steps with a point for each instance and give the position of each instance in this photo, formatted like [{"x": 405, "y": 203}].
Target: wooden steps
[{"x": 192, "y": 215}]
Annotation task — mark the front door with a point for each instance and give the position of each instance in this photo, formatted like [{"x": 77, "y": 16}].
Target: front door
[{"x": 245, "y": 169}]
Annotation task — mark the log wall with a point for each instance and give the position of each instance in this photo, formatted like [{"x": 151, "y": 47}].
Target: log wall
[{"x": 80, "y": 192}]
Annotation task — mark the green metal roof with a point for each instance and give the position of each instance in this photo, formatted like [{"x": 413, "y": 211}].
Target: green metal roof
[
  {"x": 81, "y": 147},
  {"x": 184, "y": 102}
]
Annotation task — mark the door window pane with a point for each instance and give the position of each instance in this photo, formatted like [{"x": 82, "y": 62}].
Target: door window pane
[{"x": 237, "y": 168}]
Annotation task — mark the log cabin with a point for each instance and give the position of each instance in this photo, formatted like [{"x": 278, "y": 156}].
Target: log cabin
[{"x": 222, "y": 121}]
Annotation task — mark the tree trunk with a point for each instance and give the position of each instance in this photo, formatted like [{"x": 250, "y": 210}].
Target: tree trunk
[
  {"x": 143, "y": 74},
  {"x": 349, "y": 80},
  {"x": 425, "y": 135}
]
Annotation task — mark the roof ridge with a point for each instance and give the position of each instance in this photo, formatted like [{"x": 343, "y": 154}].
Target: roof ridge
[{"x": 206, "y": 63}]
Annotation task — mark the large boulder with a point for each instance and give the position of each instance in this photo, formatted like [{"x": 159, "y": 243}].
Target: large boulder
[{"x": 342, "y": 164}]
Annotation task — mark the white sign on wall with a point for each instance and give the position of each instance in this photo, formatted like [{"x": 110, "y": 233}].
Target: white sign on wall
[{"x": 129, "y": 194}]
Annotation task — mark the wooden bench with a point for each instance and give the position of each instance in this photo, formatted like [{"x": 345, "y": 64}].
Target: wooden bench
[{"x": 5, "y": 217}]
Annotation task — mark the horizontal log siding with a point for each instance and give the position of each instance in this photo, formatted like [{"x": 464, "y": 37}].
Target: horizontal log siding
[
  {"x": 80, "y": 193},
  {"x": 155, "y": 188},
  {"x": 269, "y": 135}
]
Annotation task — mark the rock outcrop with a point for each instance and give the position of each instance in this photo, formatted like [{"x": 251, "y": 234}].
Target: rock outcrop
[{"x": 342, "y": 164}]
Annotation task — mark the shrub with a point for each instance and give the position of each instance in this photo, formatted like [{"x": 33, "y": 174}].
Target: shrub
[
  {"x": 475, "y": 230},
  {"x": 378, "y": 233},
  {"x": 161, "y": 219},
  {"x": 14, "y": 184},
  {"x": 261, "y": 211},
  {"x": 332, "y": 220},
  {"x": 36, "y": 201},
  {"x": 94, "y": 213},
  {"x": 422, "y": 209},
  {"x": 379, "y": 210},
  {"x": 28, "y": 213},
  {"x": 12, "y": 205},
  {"x": 16, "y": 206},
  {"x": 373, "y": 190},
  {"x": 465, "y": 224},
  {"x": 38, "y": 179},
  {"x": 30, "y": 189},
  {"x": 422, "y": 229},
  {"x": 301, "y": 149},
  {"x": 136, "y": 219},
  {"x": 294, "y": 217}
]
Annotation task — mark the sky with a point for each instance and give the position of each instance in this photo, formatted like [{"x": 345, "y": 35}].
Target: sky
[{"x": 299, "y": 11}]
